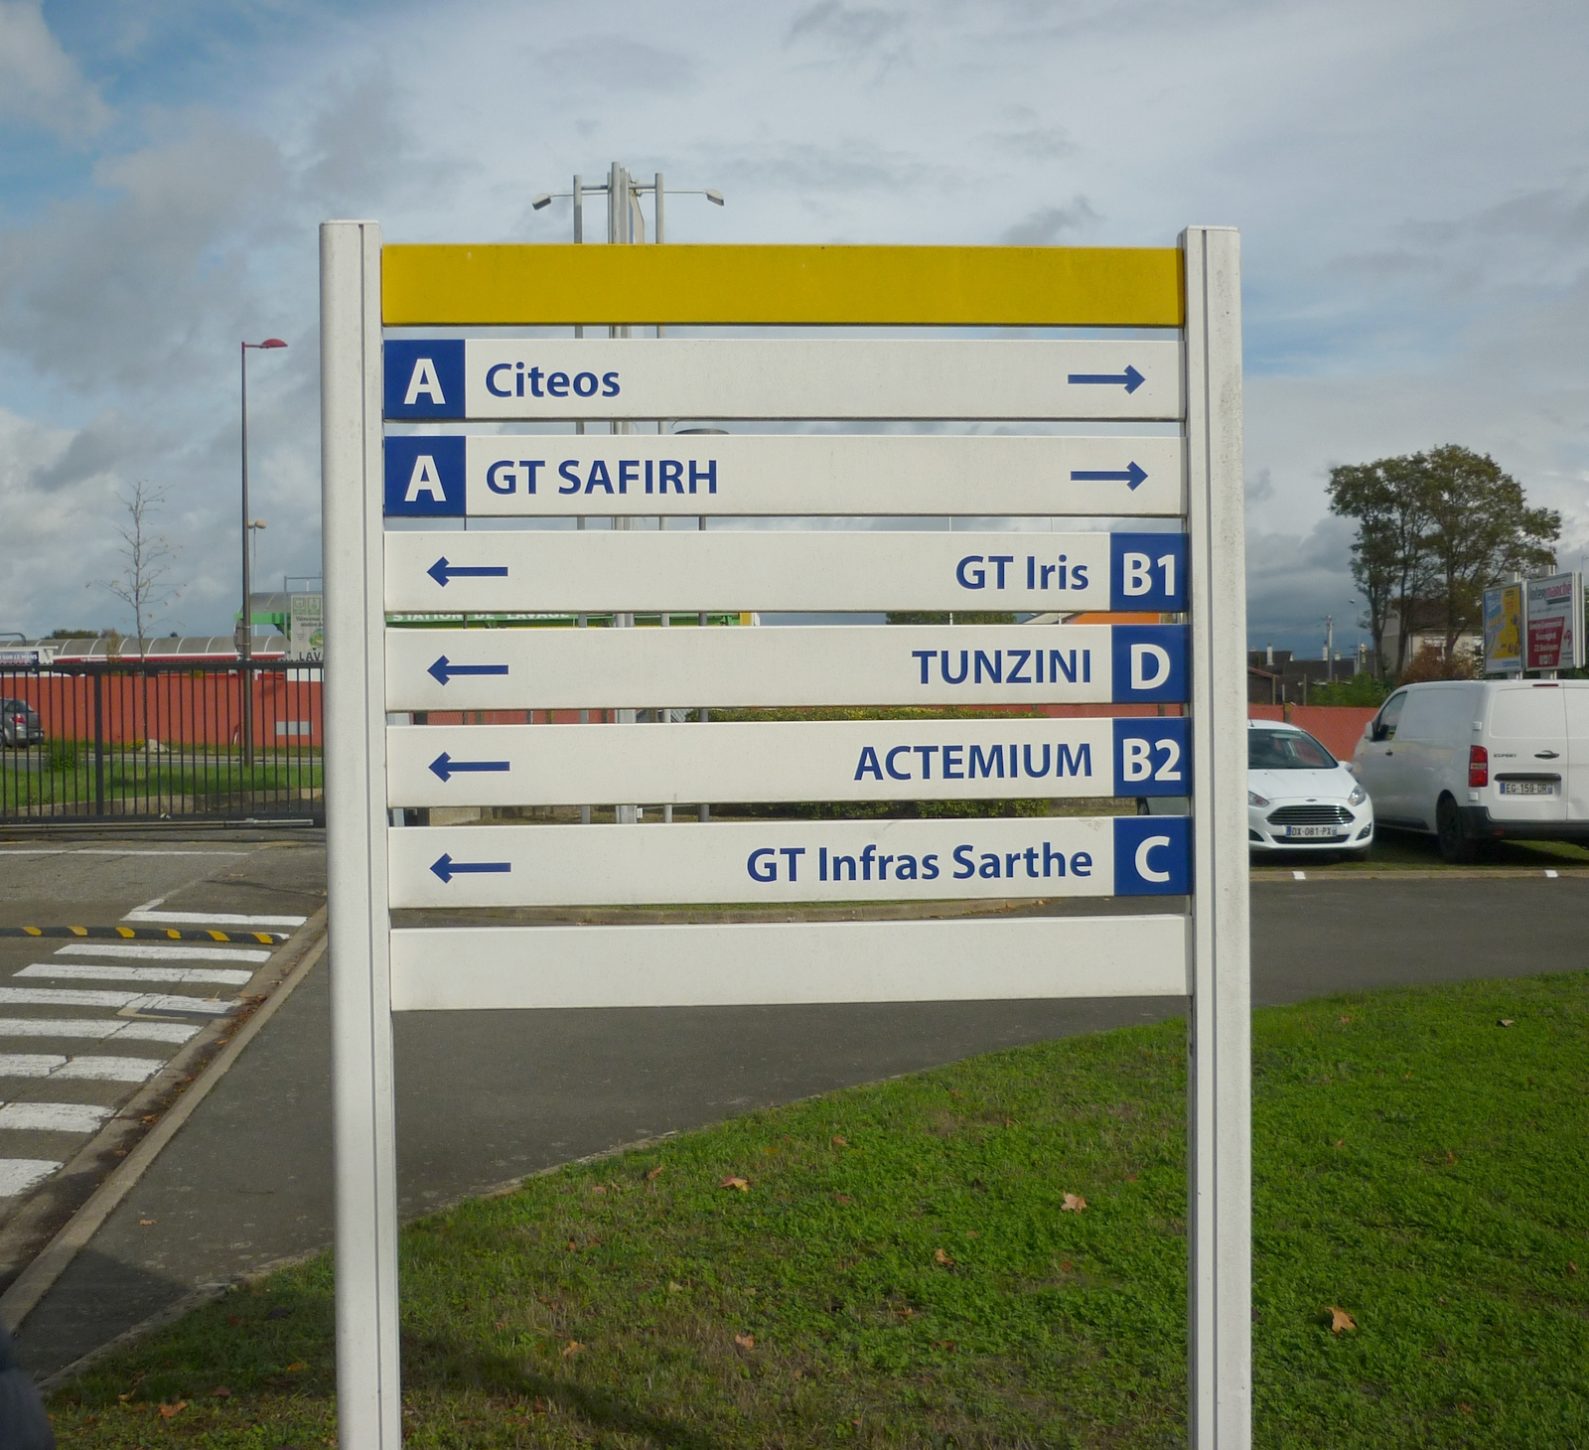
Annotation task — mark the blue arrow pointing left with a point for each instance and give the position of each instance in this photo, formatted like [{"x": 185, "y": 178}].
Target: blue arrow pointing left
[
  {"x": 1130, "y": 379},
  {"x": 1131, "y": 475},
  {"x": 446, "y": 868},
  {"x": 446, "y": 767},
  {"x": 441, "y": 571},
  {"x": 444, "y": 669}
]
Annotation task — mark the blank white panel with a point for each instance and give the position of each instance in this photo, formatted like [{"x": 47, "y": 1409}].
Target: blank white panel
[{"x": 691, "y": 966}]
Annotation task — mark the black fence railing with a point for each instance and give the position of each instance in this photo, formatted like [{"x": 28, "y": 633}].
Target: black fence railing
[{"x": 138, "y": 741}]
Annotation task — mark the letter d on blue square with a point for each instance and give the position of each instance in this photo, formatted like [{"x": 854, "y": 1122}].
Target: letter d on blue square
[
  {"x": 1153, "y": 855},
  {"x": 423, "y": 379}
]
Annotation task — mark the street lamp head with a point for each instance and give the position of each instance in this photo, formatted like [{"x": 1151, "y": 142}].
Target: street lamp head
[
  {"x": 715, "y": 197},
  {"x": 273, "y": 342},
  {"x": 542, "y": 201}
]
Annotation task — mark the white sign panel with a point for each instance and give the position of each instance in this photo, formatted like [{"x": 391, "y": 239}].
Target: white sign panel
[
  {"x": 861, "y": 961},
  {"x": 1554, "y": 614},
  {"x": 824, "y": 761},
  {"x": 564, "y": 668},
  {"x": 778, "y": 862},
  {"x": 306, "y": 631},
  {"x": 428, "y": 380},
  {"x": 1503, "y": 629},
  {"x": 776, "y": 571},
  {"x": 543, "y": 476}
]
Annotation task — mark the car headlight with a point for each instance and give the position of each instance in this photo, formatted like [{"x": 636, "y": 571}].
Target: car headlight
[
  {"x": 1357, "y": 797},
  {"x": 1254, "y": 799}
]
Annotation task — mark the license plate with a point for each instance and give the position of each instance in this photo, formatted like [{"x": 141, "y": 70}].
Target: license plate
[
  {"x": 1528, "y": 787},
  {"x": 1310, "y": 833}
]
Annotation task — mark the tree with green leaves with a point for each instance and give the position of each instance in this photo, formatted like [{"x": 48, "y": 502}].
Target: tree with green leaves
[
  {"x": 1436, "y": 529},
  {"x": 1480, "y": 531}
]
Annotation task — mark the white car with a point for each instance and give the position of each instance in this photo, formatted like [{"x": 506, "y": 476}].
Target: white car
[{"x": 1300, "y": 797}]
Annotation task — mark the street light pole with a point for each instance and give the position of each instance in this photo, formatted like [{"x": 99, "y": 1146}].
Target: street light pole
[
  {"x": 245, "y": 623},
  {"x": 625, "y": 225}
]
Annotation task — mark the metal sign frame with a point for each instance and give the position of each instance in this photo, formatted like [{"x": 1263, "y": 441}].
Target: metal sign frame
[{"x": 1202, "y": 955}]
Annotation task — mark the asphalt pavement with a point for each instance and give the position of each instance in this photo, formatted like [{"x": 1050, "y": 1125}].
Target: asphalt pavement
[{"x": 484, "y": 1099}]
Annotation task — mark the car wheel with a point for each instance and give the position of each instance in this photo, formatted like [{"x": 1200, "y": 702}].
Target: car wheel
[{"x": 1455, "y": 845}]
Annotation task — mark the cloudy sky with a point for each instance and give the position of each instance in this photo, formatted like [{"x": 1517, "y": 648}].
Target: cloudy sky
[{"x": 1411, "y": 181}]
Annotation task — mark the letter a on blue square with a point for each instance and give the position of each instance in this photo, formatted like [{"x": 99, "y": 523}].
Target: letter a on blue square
[
  {"x": 424, "y": 477},
  {"x": 423, "y": 378}
]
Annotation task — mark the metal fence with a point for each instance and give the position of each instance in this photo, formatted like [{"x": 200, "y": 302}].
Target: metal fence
[{"x": 137, "y": 741}]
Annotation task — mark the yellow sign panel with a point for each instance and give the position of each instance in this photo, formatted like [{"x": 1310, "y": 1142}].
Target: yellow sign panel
[{"x": 439, "y": 286}]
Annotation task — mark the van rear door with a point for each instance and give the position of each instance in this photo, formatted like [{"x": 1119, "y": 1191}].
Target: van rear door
[
  {"x": 1575, "y": 696},
  {"x": 1526, "y": 739}
]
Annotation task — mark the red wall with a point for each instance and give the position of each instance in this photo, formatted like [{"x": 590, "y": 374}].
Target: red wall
[
  {"x": 1340, "y": 727},
  {"x": 202, "y": 708}
]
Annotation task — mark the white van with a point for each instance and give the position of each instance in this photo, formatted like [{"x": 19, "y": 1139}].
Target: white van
[{"x": 1476, "y": 761}]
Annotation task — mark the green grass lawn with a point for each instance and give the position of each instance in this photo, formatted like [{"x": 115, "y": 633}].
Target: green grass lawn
[
  {"x": 69, "y": 778},
  {"x": 987, "y": 1255}
]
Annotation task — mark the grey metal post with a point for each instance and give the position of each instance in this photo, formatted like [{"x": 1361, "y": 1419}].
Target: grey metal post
[
  {"x": 581, "y": 621},
  {"x": 704, "y": 811},
  {"x": 1219, "y": 1073},
  {"x": 368, "y": 1369},
  {"x": 620, "y": 230},
  {"x": 245, "y": 626}
]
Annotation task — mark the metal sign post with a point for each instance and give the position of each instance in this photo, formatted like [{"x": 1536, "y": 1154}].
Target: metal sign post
[{"x": 392, "y": 374}]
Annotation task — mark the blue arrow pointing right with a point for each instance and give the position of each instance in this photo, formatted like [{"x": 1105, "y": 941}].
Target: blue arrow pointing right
[
  {"x": 446, "y": 868},
  {"x": 1131, "y": 475},
  {"x": 444, "y": 669},
  {"x": 1130, "y": 379}
]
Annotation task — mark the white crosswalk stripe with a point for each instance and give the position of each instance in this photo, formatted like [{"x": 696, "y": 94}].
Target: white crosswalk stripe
[
  {"x": 67, "y": 972},
  {"x": 17, "y": 1175},
  {"x": 54, "y": 1117},
  {"x": 160, "y": 952},
  {"x": 99, "y": 1029},
  {"x": 78, "y": 1069},
  {"x": 136, "y": 1001},
  {"x": 144, "y": 916}
]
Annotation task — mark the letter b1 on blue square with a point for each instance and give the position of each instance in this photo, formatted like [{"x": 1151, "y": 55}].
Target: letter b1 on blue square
[{"x": 1147, "y": 572}]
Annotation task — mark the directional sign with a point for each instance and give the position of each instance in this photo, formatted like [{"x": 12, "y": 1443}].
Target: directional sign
[
  {"x": 505, "y": 669},
  {"x": 600, "y": 570},
  {"x": 854, "y": 961},
  {"x": 781, "y": 861},
  {"x": 544, "y": 476},
  {"x": 427, "y": 380},
  {"x": 826, "y": 761}
]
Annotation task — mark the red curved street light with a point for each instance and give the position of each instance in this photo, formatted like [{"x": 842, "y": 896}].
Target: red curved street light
[{"x": 245, "y": 623}]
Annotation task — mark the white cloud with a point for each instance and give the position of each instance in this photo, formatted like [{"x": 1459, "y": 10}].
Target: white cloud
[{"x": 40, "y": 85}]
